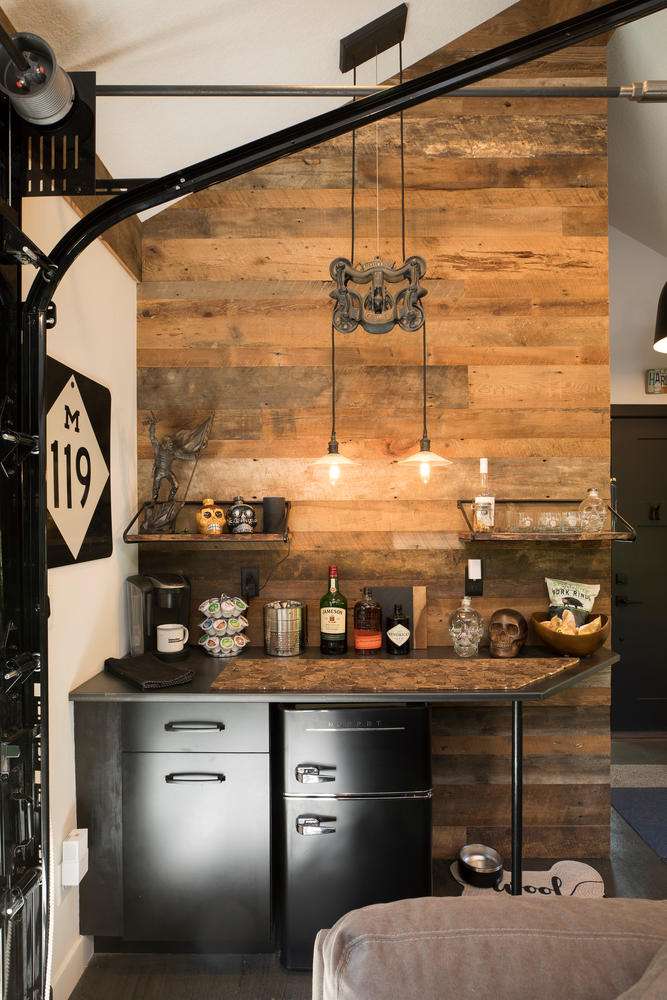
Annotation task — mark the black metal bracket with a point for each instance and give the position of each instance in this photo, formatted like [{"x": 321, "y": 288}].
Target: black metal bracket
[
  {"x": 375, "y": 37},
  {"x": 17, "y": 248},
  {"x": 20, "y": 445}
]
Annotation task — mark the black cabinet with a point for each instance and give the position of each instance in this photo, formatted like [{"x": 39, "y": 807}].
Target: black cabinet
[
  {"x": 176, "y": 798},
  {"x": 195, "y": 848}
]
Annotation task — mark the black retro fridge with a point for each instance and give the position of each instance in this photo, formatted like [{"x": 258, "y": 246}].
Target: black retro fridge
[{"x": 356, "y": 815}]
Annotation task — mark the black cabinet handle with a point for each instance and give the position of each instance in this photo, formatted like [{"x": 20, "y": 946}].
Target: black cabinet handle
[
  {"x": 621, "y": 601},
  {"x": 191, "y": 776},
  {"x": 194, "y": 727}
]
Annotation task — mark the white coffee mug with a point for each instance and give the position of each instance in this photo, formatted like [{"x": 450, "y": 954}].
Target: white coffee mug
[{"x": 171, "y": 638}]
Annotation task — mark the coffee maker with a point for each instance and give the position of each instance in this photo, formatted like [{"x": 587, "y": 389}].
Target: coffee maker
[{"x": 152, "y": 601}]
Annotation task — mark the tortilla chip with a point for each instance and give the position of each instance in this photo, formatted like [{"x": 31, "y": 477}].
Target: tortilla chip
[
  {"x": 554, "y": 623},
  {"x": 569, "y": 619},
  {"x": 589, "y": 627}
]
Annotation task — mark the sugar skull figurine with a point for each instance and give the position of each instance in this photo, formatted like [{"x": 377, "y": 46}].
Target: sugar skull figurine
[
  {"x": 508, "y": 631},
  {"x": 241, "y": 518},
  {"x": 210, "y": 518}
]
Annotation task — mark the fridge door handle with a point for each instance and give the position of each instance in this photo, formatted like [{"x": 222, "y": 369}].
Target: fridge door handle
[
  {"x": 310, "y": 774},
  {"x": 189, "y": 776},
  {"x": 309, "y": 826},
  {"x": 194, "y": 727}
]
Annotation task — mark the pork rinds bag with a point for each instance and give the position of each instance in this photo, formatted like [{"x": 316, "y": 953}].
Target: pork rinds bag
[{"x": 567, "y": 594}]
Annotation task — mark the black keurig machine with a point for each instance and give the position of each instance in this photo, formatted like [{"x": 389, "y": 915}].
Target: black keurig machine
[{"x": 152, "y": 601}]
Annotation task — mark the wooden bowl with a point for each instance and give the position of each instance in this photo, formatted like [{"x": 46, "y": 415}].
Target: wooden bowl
[{"x": 572, "y": 645}]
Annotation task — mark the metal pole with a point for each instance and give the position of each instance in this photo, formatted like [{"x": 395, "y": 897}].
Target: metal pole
[
  {"x": 517, "y": 796},
  {"x": 13, "y": 51},
  {"x": 337, "y": 90}
]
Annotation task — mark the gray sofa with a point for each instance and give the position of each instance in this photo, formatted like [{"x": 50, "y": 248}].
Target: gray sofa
[{"x": 499, "y": 948}]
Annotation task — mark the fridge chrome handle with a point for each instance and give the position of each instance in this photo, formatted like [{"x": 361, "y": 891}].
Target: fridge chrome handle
[
  {"x": 194, "y": 727},
  {"x": 310, "y": 774},
  {"x": 309, "y": 826},
  {"x": 182, "y": 776}
]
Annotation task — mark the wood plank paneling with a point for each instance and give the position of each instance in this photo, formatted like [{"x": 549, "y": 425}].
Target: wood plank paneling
[{"x": 507, "y": 200}]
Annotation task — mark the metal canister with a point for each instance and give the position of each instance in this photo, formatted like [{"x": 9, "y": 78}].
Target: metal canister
[{"x": 285, "y": 628}]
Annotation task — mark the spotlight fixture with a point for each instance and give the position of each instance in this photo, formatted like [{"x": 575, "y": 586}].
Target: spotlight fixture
[
  {"x": 40, "y": 90},
  {"x": 425, "y": 458},
  {"x": 660, "y": 338},
  {"x": 333, "y": 458}
]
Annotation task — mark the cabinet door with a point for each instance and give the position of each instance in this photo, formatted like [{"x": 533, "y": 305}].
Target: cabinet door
[{"x": 196, "y": 849}]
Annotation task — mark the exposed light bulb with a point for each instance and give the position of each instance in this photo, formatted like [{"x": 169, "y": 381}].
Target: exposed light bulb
[
  {"x": 424, "y": 472},
  {"x": 334, "y": 474}
]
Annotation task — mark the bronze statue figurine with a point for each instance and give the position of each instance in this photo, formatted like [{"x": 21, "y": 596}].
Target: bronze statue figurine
[{"x": 186, "y": 446}]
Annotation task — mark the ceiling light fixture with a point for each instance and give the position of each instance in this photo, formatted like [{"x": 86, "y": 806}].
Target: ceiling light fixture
[
  {"x": 378, "y": 310},
  {"x": 425, "y": 458},
  {"x": 333, "y": 458},
  {"x": 660, "y": 338}
]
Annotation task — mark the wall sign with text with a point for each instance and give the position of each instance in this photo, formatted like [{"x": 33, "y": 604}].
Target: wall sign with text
[
  {"x": 656, "y": 381},
  {"x": 78, "y": 464}
]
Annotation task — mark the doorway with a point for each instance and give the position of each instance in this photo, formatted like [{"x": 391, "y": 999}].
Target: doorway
[{"x": 639, "y": 463}]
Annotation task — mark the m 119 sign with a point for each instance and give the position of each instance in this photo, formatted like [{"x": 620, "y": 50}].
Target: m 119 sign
[{"x": 78, "y": 486}]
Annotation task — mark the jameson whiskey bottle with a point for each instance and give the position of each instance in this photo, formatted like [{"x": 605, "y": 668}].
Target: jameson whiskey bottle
[
  {"x": 367, "y": 624},
  {"x": 333, "y": 618}
]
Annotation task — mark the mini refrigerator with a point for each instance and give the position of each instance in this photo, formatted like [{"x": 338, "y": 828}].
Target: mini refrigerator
[{"x": 356, "y": 815}]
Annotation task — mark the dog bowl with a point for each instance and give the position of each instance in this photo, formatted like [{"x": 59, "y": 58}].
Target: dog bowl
[
  {"x": 480, "y": 866},
  {"x": 572, "y": 645}
]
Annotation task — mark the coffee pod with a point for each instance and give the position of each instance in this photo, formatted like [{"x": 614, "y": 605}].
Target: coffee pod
[
  {"x": 227, "y": 607},
  {"x": 240, "y": 641},
  {"x": 221, "y": 626},
  {"x": 239, "y": 604},
  {"x": 211, "y": 607},
  {"x": 208, "y": 625},
  {"x": 211, "y": 643},
  {"x": 226, "y": 644}
]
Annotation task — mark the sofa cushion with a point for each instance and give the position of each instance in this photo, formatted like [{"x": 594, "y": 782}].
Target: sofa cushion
[
  {"x": 500, "y": 948},
  {"x": 653, "y": 983}
]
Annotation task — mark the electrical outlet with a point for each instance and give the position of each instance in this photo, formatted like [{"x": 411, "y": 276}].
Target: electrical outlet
[
  {"x": 474, "y": 582},
  {"x": 249, "y": 582}
]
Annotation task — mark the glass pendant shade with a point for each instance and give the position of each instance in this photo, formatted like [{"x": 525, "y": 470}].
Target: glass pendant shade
[
  {"x": 334, "y": 461},
  {"x": 427, "y": 460},
  {"x": 660, "y": 339}
]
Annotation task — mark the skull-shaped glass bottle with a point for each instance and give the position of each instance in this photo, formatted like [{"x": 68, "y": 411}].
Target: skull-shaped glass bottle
[
  {"x": 593, "y": 512},
  {"x": 466, "y": 629}
]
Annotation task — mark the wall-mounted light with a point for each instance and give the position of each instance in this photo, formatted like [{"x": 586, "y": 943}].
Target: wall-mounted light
[
  {"x": 425, "y": 458},
  {"x": 660, "y": 338},
  {"x": 333, "y": 458},
  {"x": 40, "y": 90}
]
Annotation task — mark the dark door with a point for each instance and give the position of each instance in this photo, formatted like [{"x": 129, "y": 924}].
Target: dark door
[
  {"x": 196, "y": 849},
  {"x": 340, "y": 854},
  {"x": 639, "y": 573}
]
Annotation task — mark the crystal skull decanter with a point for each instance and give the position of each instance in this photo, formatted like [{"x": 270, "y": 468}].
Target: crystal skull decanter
[
  {"x": 593, "y": 511},
  {"x": 466, "y": 629}
]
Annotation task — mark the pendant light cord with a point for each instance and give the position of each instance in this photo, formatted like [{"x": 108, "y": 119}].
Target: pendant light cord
[
  {"x": 400, "y": 80},
  {"x": 333, "y": 383},
  {"x": 377, "y": 171},
  {"x": 354, "y": 151},
  {"x": 424, "y": 369}
]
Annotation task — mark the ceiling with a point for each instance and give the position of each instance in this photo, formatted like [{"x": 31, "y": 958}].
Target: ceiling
[{"x": 220, "y": 41}]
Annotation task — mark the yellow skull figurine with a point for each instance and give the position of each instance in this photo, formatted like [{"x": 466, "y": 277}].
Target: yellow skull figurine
[{"x": 210, "y": 519}]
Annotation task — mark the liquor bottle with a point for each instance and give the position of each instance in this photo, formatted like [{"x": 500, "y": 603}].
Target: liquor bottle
[
  {"x": 333, "y": 618},
  {"x": 484, "y": 509},
  {"x": 367, "y": 624},
  {"x": 466, "y": 629},
  {"x": 593, "y": 512},
  {"x": 398, "y": 633}
]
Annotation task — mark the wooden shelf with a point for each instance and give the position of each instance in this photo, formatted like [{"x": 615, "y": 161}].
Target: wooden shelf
[
  {"x": 546, "y": 536},
  {"x": 256, "y": 538}
]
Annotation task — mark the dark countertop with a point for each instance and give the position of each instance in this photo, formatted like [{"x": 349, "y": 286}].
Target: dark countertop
[{"x": 418, "y": 673}]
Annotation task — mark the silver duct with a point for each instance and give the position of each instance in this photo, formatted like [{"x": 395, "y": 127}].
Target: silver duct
[{"x": 41, "y": 92}]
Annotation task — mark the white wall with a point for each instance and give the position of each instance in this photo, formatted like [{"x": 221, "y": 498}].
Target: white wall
[
  {"x": 96, "y": 334},
  {"x": 636, "y": 277},
  {"x": 638, "y": 134}
]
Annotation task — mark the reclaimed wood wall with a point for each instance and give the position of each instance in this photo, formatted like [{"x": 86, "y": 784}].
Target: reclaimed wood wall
[{"x": 507, "y": 202}]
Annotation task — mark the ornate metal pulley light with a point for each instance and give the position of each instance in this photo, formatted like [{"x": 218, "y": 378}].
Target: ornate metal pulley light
[{"x": 378, "y": 308}]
